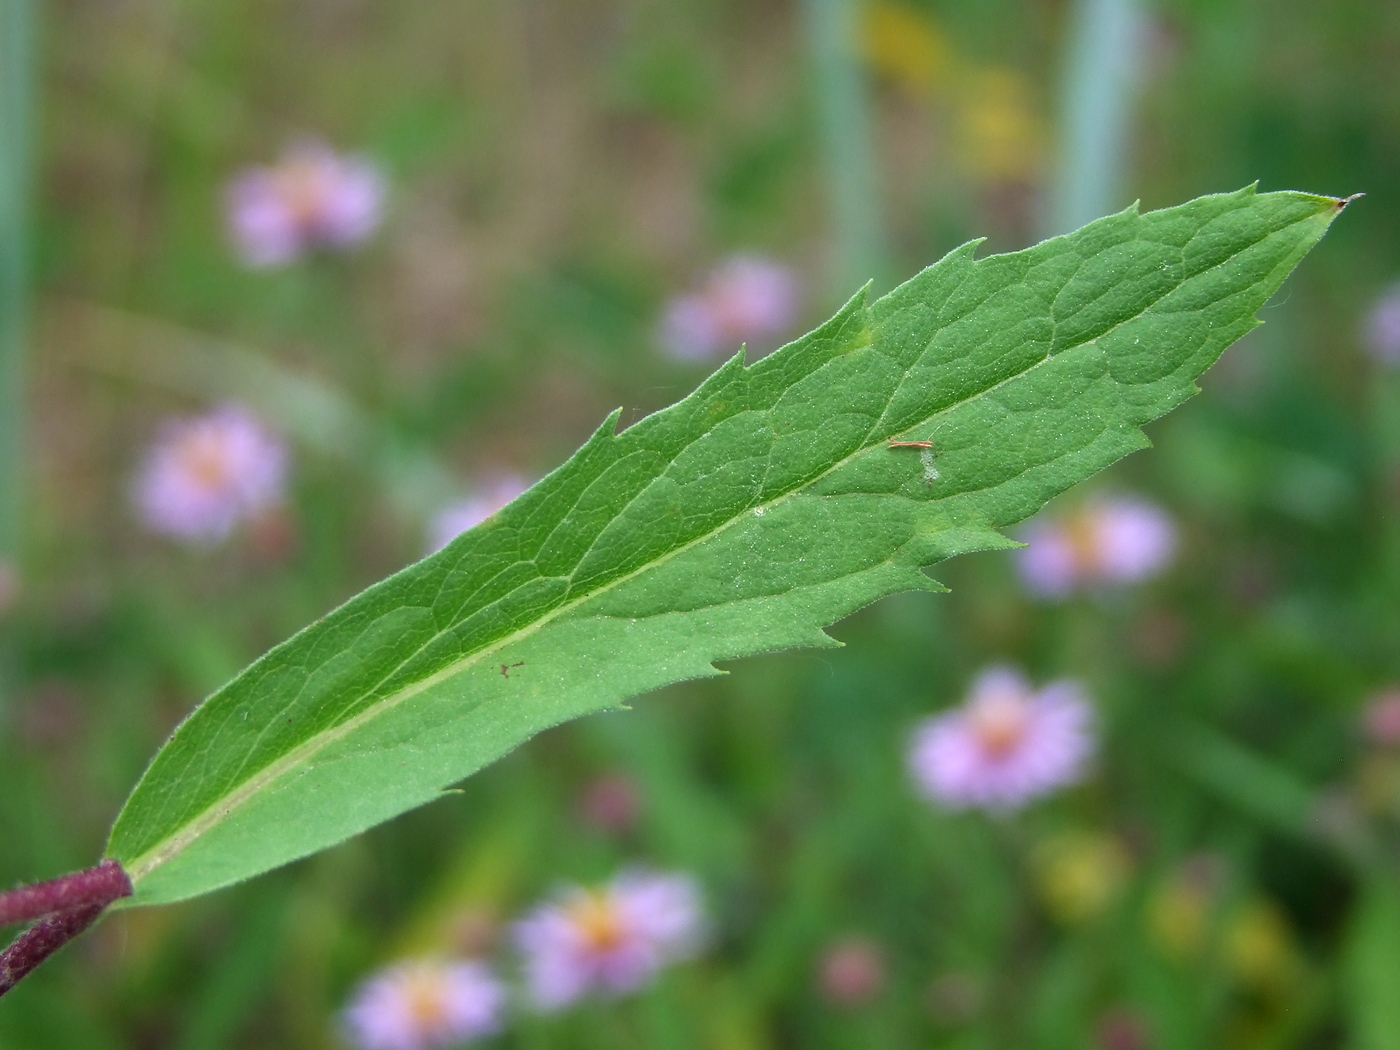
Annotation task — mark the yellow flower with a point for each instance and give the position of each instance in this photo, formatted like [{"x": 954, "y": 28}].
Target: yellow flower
[
  {"x": 1259, "y": 948},
  {"x": 1179, "y": 910},
  {"x": 1001, "y": 137},
  {"x": 1080, "y": 874},
  {"x": 904, "y": 45}
]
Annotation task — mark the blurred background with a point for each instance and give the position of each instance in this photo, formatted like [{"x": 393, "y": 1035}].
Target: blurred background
[{"x": 417, "y": 251}]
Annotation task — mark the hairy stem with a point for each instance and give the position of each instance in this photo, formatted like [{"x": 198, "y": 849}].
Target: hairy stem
[
  {"x": 100, "y": 885},
  {"x": 64, "y": 906},
  {"x": 41, "y": 940}
]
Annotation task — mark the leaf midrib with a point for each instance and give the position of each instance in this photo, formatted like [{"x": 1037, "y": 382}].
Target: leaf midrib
[{"x": 216, "y": 812}]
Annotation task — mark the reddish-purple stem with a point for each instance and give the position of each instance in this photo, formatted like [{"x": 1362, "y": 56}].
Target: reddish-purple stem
[
  {"x": 41, "y": 940},
  {"x": 64, "y": 906},
  {"x": 100, "y": 885}
]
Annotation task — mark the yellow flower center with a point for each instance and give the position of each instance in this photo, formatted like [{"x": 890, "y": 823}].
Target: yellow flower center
[
  {"x": 1083, "y": 539},
  {"x": 597, "y": 920},
  {"x": 426, "y": 995},
  {"x": 999, "y": 724},
  {"x": 301, "y": 183},
  {"x": 202, "y": 455}
]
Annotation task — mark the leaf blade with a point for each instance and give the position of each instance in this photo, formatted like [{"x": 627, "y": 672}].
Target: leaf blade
[{"x": 745, "y": 518}]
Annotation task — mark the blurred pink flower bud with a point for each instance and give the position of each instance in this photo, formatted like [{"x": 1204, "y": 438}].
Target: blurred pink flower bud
[
  {"x": 1006, "y": 744},
  {"x": 852, "y": 972},
  {"x": 273, "y": 536},
  {"x": 1122, "y": 1029},
  {"x": 1159, "y": 636},
  {"x": 613, "y": 939},
  {"x": 425, "y": 1004},
  {"x": 457, "y": 518},
  {"x": 50, "y": 717},
  {"x": 746, "y": 299},
  {"x": 311, "y": 198},
  {"x": 474, "y": 932},
  {"x": 208, "y": 473},
  {"x": 611, "y": 803},
  {"x": 1381, "y": 718},
  {"x": 1108, "y": 540},
  {"x": 1381, "y": 330}
]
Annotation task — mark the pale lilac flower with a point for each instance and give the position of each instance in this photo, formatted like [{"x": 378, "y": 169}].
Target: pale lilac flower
[
  {"x": 1006, "y": 745},
  {"x": 311, "y": 198},
  {"x": 1381, "y": 331},
  {"x": 746, "y": 299},
  {"x": 207, "y": 473},
  {"x": 423, "y": 1004},
  {"x": 456, "y": 518},
  {"x": 690, "y": 329},
  {"x": 613, "y": 939},
  {"x": 1109, "y": 540}
]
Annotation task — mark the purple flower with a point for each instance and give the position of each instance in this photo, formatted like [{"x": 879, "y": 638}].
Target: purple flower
[
  {"x": 1110, "y": 540},
  {"x": 207, "y": 473},
  {"x": 421, "y": 1004},
  {"x": 747, "y": 299},
  {"x": 1381, "y": 332},
  {"x": 1006, "y": 745},
  {"x": 457, "y": 518},
  {"x": 312, "y": 198},
  {"x": 613, "y": 939}
]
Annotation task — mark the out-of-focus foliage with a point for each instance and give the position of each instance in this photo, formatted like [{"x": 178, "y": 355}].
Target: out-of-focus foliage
[{"x": 555, "y": 173}]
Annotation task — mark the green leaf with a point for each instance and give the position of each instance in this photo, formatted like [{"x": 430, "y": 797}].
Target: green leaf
[{"x": 743, "y": 519}]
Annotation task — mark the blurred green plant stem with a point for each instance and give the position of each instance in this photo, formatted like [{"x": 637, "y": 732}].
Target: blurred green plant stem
[
  {"x": 17, "y": 75},
  {"x": 1103, "y": 60},
  {"x": 16, "y": 135},
  {"x": 848, "y": 148}
]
